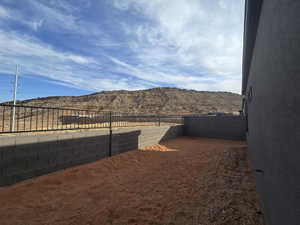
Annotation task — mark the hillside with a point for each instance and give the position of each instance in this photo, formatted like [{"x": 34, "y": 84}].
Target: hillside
[{"x": 156, "y": 100}]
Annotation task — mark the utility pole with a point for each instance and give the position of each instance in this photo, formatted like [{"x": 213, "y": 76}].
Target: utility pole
[{"x": 15, "y": 99}]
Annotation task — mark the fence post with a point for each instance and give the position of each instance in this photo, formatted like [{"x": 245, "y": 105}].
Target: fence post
[
  {"x": 110, "y": 134},
  {"x": 159, "y": 120}
]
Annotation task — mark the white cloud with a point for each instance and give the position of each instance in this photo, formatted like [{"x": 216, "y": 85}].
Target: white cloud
[
  {"x": 180, "y": 79},
  {"x": 14, "y": 45},
  {"x": 10, "y": 15},
  {"x": 59, "y": 16},
  {"x": 36, "y": 24},
  {"x": 4, "y": 14},
  {"x": 203, "y": 35},
  {"x": 54, "y": 17},
  {"x": 80, "y": 59},
  {"x": 37, "y": 58},
  {"x": 193, "y": 44}
]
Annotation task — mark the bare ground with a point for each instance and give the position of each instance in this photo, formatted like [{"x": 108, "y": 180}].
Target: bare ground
[{"x": 185, "y": 181}]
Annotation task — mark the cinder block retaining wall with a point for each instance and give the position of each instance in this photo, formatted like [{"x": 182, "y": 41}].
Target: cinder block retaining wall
[
  {"x": 23, "y": 157},
  {"x": 225, "y": 127}
]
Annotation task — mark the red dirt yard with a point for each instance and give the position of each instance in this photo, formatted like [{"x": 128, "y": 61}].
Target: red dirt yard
[{"x": 185, "y": 181}]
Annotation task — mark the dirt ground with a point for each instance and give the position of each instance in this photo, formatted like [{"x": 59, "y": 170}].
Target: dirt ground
[{"x": 186, "y": 181}]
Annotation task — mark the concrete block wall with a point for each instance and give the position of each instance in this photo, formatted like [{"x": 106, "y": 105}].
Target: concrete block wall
[
  {"x": 23, "y": 157},
  {"x": 225, "y": 127},
  {"x": 150, "y": 136},
  {"x": 125, "y": 139}
]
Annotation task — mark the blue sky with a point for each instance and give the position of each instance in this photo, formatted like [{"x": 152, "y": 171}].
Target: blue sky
[{"x": 75, "y": 47}]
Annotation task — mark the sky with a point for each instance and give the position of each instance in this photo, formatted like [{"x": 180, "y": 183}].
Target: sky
[{"x": 76, "y": 47}]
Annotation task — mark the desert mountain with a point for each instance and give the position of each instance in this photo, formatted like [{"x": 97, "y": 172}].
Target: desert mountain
[{"x": 156, "y": 100}]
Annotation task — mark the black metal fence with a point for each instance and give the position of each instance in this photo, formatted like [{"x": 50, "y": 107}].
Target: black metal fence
[{"x": 20, "y": 118}]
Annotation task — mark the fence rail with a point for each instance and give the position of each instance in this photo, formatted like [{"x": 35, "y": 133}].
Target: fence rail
[{"x": 36, "y": 119}]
